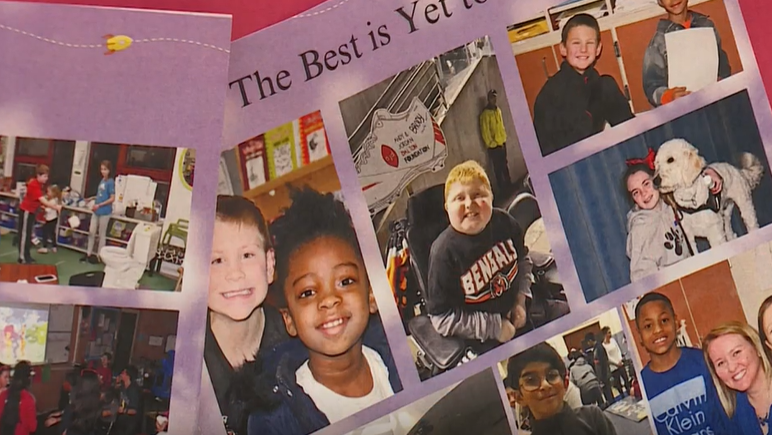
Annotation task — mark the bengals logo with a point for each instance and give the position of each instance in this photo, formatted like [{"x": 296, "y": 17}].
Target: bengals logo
[{"x": 499, "y": 285}]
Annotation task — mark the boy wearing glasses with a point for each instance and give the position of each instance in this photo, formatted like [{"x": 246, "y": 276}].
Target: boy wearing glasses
[{"x": 538, "y": 379}]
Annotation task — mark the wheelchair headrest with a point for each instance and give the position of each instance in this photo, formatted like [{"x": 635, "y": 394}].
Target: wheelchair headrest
[
  {"x": 525, "y": 209},
  {"x": 427, "y": 207}
]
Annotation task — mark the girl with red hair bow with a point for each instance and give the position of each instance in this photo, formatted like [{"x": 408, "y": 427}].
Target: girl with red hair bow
[{"x": 655, "y": 238}]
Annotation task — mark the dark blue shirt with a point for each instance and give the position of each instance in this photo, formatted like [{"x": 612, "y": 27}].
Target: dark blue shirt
[
  {"x": 683, "y": 400},
  {"x": 105, "y": 190},
  {"x": 745, "y": 420}
]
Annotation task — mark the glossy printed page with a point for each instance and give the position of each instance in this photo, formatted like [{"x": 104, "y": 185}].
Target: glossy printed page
[
  {"x": 106, "y": 116},
  {"x": 485, "y": 227}
]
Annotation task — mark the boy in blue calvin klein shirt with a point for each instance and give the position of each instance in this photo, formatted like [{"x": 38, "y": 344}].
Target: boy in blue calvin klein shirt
[{"x": 682, "y": 397}]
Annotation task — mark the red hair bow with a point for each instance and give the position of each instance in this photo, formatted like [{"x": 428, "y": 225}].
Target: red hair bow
[{"x": 648, "y": 160}]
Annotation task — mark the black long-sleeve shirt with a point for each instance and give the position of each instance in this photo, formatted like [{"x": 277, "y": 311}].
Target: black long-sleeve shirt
[{"x": 572, "y": 106}]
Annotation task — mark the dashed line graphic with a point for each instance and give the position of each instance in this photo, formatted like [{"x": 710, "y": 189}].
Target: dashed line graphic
[
  {"x": 313, "y": 14},
  {"x": 113, "y": 43}
]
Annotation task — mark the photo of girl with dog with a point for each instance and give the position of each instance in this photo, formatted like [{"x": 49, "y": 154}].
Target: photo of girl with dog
[
  {"x": 464, "y": 246},
  {"x": 703, "y": 346},
  {"x": 665, "y": 195}
]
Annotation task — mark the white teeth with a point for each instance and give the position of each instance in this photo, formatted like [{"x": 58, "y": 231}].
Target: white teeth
[
  {"x": 332, "y": 324},
  {"x": 739, "y": 376},
  {"x": 659, "y": 340},
  {"x": 232, "y": 294}
]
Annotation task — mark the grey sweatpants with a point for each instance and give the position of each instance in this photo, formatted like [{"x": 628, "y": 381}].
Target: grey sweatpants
[{"x": 97, "y": 227}]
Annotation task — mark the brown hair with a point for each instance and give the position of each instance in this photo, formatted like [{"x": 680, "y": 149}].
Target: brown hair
[
  {"x": 57, "y": 192},
  {"x": 727, "y": 396},
  {"x": 239, "y": 210},
  {"x": 763, "y": 332},
  {"x": 107, "y": 164},
  {"x": 580, "y": 20},
  {"x": 42, "y": 170}
]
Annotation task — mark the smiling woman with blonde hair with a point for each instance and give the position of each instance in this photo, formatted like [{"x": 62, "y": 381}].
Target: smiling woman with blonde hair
[{"x": 742, "y": 374}]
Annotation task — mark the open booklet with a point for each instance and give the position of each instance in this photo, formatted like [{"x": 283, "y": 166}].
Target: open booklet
[
  {"x": 106, "y": 117},
  {"x": 453, "y": 216},
  {"x": 446, "y": 203}
]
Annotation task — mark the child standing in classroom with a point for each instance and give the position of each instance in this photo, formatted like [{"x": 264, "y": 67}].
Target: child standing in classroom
[
  {"x": 54, "y": 196},
  {"x": 102, "y": 209},
  {"x": 655, "y": 71},
  {"x": 30, "y": 204}
]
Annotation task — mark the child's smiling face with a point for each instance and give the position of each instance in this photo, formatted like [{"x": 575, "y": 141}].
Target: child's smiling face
[
  {"x": 641, "y": 188},
  {"x": 240, "y": 270},
  {"x": 674, "y": 7},
  {"x": 581, "y": 48},
  {"x": 469, "y": 206},
  {"x": 328, "y": 295},
  {"x": 541, "y": 389},
  {"x": 657, "y": 327}
]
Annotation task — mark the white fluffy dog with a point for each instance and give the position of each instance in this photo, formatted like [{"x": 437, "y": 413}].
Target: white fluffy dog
[{"x": 680, "y": 169}]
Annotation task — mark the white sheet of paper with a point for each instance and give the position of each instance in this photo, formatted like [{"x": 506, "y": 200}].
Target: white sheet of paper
[{"x": 692, "y": 58}]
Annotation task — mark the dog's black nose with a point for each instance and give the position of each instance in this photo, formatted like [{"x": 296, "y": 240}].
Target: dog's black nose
[{"x": 657, "y": 181}]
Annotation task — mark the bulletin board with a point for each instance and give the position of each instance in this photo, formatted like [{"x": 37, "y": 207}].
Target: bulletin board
[
  {"x": 60, "y": 318},
  {"x": 104, "y": 325},
  {"x": 59, "y": 338}
]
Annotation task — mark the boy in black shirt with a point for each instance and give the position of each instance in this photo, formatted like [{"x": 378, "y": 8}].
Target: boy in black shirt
[
  {"x": 479, "y": 268},
  {"x": 127, "y": 421},
  {"x": 241, "y": 327},
  {"x": 577, "y": 102}
]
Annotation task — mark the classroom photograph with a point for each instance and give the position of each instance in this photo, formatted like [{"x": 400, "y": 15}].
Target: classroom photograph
[
  {"x": 438, "y": 159},
  {"x": 94, "y": 214},
  {"x": 590, "y": 65},
  {"x": 673, "y": 192},
  {"x": 591, "y": 373},
  {"x": 692, "y": 333},
  {"x": 114, "y": 365}
]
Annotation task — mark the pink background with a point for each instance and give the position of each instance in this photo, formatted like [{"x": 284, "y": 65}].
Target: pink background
[{"x": 250, "y": 16}]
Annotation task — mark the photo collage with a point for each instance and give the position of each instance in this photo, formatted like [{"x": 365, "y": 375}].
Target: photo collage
[
  {"x": 490, "y": 219},
  {"x": 99, "y": 221}
]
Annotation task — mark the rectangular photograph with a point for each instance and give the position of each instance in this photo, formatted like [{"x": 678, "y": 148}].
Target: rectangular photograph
[
  {"x": 590, "y": 65},
  {"x": 294, "y": 338},
  {"x": 107, "y": 115},
  {"x": 94, "y": 214},
  {"x": 473, "y": 405},
  {"x": 668, "y": 194},
  {"x": 590, "y": 382},
  {"x": 703, "y": 342},
  {"x": 452, "y": 207},
  {"x": 87, "y": 369}
]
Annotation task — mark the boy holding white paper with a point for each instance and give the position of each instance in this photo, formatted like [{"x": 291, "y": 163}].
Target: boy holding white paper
[{"x": 655, "y": 61}]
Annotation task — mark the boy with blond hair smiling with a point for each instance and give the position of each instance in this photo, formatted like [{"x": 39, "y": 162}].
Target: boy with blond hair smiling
[{"x": 479, "y": 268}]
